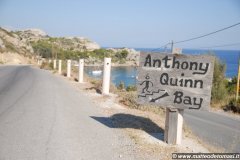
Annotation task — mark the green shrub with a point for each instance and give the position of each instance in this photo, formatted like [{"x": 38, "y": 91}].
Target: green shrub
[
  {"x": 232, "y": 86},
  {"x": 42, "y": 48},
  {"x": 121, "y": 86},
  {"x": 131, "y": 88},
  {"x": 124, "y": 54},
  {"x": 219, "y": 85},
  {"x": 122, "y": 61},
  {"x": 49, "y": 48},
  {"x": 46, "y": 65},
  {"x": 234, "y": 106}
]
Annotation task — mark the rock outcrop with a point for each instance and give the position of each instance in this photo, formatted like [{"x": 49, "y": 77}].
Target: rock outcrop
[
  {"x": 133, "y": 55},
  {"x": 12, "y": 42},
  {"x": 29, "y": 35},
  {"x": 76, "y": 43}
]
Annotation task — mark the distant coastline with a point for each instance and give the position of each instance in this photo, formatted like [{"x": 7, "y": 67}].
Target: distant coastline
[
  {"x": 185, "y": 50},
  {"x": 230, "y": 57},
  {"x": 113, "y": 65}
]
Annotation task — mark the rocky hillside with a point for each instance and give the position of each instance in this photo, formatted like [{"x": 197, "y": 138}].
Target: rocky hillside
[
  {"x": 76, "y": 43},
  {"x": 12, "y": 42},
  {"x": 21, "y": 41},
  {"x": 36, "y": 43}
]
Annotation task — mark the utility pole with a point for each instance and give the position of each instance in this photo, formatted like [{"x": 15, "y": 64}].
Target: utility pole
[
  {"x": 172, "y": 47},
  {"x": 52, "y": 52},
  {"x": 238, "y": 77},
  {"x": 55, "y": 52}
]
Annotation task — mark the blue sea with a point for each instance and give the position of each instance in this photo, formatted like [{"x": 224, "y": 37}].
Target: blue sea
[{"x": 128, "y": 74}]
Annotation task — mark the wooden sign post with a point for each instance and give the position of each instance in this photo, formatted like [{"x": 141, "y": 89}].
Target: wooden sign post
[
  {"x": 177, "y": 82},
  {"x": 173, "y": 126}
]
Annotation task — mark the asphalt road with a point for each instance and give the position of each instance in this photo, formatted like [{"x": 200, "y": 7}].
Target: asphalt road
[
  {"x": 216, "y": 129},
  {"x": 43, "y": 117}
]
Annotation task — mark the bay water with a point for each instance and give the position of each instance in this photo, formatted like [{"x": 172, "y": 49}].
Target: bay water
[{"x": 127, "y": 75}]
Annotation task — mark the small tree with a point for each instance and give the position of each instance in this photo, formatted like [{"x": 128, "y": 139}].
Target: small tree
[
  {"x": 124, "y": 54},
  {"x": 131, "y": 88},
  {"x": 219, "y": 89},
  {"x": 232, "y": 85},
  {"x": 121, "y": 86}
]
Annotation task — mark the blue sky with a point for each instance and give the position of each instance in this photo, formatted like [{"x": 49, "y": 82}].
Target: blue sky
[{"x": 128, "y": 23}]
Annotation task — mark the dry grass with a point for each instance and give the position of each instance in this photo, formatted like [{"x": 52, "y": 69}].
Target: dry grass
[
  {"x": 46, "y": 65},
  {"x": 129, "y": 99}
]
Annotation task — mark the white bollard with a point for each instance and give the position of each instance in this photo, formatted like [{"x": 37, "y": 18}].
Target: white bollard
[
  {"x": 106, "y": 76},
  {"x": 40, "y": 62},
  {"x": 60, "y": 66},
  {"x": 69, "y": 68},
  {"x": 80, "y": 70},
  {"x": 2, "y": 57},
  {"x": 54, "y": 64}
]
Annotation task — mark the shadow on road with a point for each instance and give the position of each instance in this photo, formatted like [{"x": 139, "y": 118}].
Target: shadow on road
[{"x": 131, "y": 121}]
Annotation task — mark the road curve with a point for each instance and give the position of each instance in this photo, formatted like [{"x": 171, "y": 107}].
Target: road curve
[
  {"x": 216, "y": 129},
  {"x": 44, "y": 118}
]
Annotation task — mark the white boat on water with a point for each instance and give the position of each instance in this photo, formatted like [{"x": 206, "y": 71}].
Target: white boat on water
[{"x": 97, "y": 72}]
